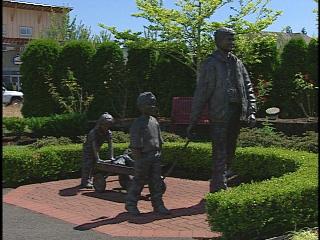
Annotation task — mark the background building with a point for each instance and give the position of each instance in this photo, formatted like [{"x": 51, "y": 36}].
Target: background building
[{"x": 21, "y": 22}]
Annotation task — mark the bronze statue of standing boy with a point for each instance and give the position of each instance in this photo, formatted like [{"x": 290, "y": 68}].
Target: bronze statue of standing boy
[{"x": 146, "y": 143}]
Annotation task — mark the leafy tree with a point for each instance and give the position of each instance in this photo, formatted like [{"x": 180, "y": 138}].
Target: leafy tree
[
  {"x": 261, "y": 59},
  {"x": 316, "y": 11},
  {"x": 70, "y": 95},
  {"x": 62, "y": 29},
  {"x": 102, "y": 37},
  {"x": 305, "y": 95},
  {"x": 191, "y": 22}
]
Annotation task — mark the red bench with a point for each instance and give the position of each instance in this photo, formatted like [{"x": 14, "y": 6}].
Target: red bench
[{"x": 181, "y": 109}]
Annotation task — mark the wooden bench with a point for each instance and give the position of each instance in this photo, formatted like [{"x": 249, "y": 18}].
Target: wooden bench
[{"x": 180, "y": 113}]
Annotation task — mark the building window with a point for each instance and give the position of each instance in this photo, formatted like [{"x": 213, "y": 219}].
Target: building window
[
  {"x": 11, "y": 82},
  {"x": 25, "y": 31},
  {"x": 4, "y": 31}
]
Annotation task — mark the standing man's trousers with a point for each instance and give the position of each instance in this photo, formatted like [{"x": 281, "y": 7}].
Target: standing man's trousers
[{"x": 224, "y": 137}]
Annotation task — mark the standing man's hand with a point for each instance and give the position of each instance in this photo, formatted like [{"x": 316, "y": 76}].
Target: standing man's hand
[
  {"x": 190, "y": 131},
  {"x": 252, "y": 120}
]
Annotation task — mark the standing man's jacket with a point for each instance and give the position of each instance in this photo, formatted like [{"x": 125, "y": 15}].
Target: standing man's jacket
[{"x": 212, "y": 88}]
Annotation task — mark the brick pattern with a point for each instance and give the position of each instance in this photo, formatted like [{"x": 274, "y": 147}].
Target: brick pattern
[{"x": 105, "y": 213}]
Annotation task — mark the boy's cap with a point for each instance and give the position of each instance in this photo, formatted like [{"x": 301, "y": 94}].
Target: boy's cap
[
  {"x": 106, "y": 117},
  {"x": 146, "y": 98}
]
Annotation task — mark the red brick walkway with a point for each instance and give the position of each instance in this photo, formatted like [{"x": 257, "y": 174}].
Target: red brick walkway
[{"x": 105, "y": 213}]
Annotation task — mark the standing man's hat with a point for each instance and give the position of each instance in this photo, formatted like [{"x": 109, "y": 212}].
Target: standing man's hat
[{"x": 223, "y": 31}]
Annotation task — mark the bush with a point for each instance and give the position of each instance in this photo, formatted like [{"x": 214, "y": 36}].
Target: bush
[
  {"x": 14, "y": 125},
  {"x": 285, "y": 202},
  {"x": 281, "y": 195},
  {"x": 18, "y": 170},
  {"x": 120, "y": 137},
  {"x": 170, "y": 73},
  {"x": 171, "y": 137},
  {"x": 37, "y": 72},
  {"x": 307, "y": 234},
  {"x": 107, "y": 81},
  {"x": 76, "y": 55},
  {"x": 307, "y": 142},
  {"x": 266, "y": 137},
  {"x": 313, "y": 59},
  {"x": 67, "y": 125},
  {"x": 259, "y": 53},
  {"x": 49, "y": 141},
  {"x": 23, "y": 165},
  {"x": 140, "y": 66},
  {"x": 293, "y": 61}
]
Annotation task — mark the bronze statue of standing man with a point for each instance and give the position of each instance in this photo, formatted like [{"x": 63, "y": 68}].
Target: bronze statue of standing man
[{"x": 224, "y": 84}]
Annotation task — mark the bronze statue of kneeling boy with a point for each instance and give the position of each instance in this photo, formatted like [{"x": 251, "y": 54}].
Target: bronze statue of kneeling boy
[
  {"x": 145, "y": 144},
  {"x": 97, "y": 136}
]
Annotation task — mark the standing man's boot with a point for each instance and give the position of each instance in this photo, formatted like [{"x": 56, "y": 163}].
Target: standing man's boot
[
  {"x": 161, "y": 209},
  {"x": 132, "y": 210}
]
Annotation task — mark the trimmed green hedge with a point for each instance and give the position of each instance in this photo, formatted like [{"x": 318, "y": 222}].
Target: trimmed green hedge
[
  {"x": 23, "y": 164},
  {"x": 285, "y": 202},
  {"x": 66, "y": 125},
  {"x": 281, "y": 196},
  {"x": 14, "y": 124}
]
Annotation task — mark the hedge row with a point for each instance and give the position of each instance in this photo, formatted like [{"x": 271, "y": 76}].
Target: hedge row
[
  {"x": 29, "y": 164},
  {"x": 281, "y": 195},
  {"x": 23, "y": 164},
  {"x": 67, "y": 125},
  {"x": 286, "y": 200},
  {"x": 260, "y": 137},
  {"x": 72, "y": 125}
]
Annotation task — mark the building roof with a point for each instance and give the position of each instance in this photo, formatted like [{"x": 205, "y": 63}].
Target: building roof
[
  {"x": 291, "y": 35},
  {"x": 34, "y": 6}
]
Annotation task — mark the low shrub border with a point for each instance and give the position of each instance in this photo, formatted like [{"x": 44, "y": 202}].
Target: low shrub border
[
  {"x": 23, "y": 164},
  {"x": 281, "y": 196},
  {"x": 75, "y": 126},
  {"x": 260, "y": 210},
  {"x": 66, "y": 125}
]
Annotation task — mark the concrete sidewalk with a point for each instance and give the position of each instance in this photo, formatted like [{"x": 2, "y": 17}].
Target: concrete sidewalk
[{"x": 105, "y": 213}]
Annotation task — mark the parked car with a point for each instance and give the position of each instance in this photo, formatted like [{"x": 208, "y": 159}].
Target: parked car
[{"x": 11, "y": 97}]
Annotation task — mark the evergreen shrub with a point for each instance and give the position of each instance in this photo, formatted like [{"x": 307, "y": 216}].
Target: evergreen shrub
[
  {"x": 49, "y": 141},
  {"x": 76, "y": 55},
  {"x": 292, "y": 61},
  {"x": 67, "y": 125},
  {"x": 37, "y": 70},
  {"x": 140, "y": 67},
  {"x": 14, "y": 124},
  {"x": 260, "y": 137},
  {"x": 107, "y": 81},
  {"x": 23, "y": 164}
]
